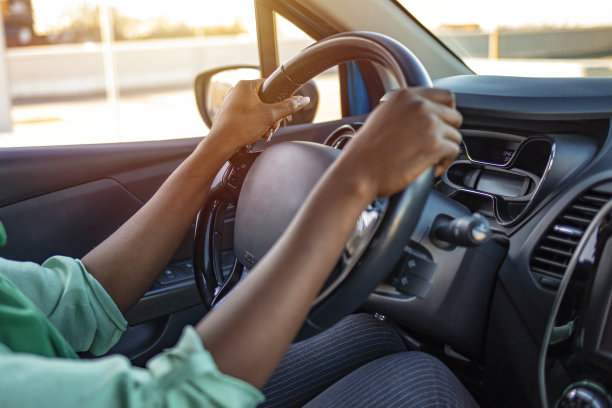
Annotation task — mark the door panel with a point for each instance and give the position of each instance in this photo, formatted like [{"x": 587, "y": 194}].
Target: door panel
[
  {"x": 66, "y": 200},
  {"x": 66, "y": 221},
  {"x": 30, "y": 172}
]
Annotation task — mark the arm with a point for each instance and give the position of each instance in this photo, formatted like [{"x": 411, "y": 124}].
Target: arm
[
  {"x": 251, "y": 330},
  {"x": 184, "y": 376},
  {"x": 127, "y": 263}
]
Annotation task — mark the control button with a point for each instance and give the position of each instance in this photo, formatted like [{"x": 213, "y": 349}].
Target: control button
[
  {"x": 233, "y": 177},
  {"x": 414, "y": 274},
  {"x": 175, "y": 273},
  {"x": 167, "y": 276}
]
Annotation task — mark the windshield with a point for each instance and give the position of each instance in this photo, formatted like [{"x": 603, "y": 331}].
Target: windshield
[{"x": 534, "y": 38}]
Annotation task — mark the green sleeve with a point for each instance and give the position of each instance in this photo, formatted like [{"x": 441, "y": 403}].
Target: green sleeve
[
  {"x": 184, "y": 376},
  {"x": 75, "y": 303}
]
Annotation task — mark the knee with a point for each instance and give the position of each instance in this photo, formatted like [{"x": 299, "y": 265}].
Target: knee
[
  {"x": 422, "y": 378},
  {"x": 421, "y": 370},
  {"x": 364, "y": 329},
  {"x": 415, "y": 364}
]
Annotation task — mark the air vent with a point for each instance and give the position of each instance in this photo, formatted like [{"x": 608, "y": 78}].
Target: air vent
[{"x": 556, "y": 247}]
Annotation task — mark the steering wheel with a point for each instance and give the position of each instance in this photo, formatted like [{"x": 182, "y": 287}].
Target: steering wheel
[{"x": 267, "y": 189}]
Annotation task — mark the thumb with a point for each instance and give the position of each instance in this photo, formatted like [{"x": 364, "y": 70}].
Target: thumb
[{"x": 288, "y": 106}]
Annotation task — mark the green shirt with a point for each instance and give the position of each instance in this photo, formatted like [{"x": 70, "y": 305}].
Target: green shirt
[{"x": 47, "y": 312}]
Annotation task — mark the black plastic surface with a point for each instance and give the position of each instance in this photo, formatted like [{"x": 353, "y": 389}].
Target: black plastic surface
[
  {"x": 455, "y": 309},
  {"x": 66, "y": 222},
  {"x": 32, "y": 171},
  {"x": 143, "y": 341},
  {"x": 538, "y": 98}
]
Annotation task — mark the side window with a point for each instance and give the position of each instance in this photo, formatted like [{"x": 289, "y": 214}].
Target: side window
[
  {"x": 292, "y": 40},
  {"x": 82, "y": 71}
]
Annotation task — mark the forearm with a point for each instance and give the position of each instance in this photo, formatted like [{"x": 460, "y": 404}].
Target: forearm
[
  {"x": 249, "y": 332},
  {"x": 128, "y": 262}
]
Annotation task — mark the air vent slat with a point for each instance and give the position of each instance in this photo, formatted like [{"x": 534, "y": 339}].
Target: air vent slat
[
  {"x": 549, "y": 262},
  {"x": 546, "y": 272},
  {"x": 561, "y": 240},
  {"x": 596, "y": 199},
  {"x": 577, "y": 219},
  {"x": 555, "y": 249},
  {"x": 588, "y": 210}
]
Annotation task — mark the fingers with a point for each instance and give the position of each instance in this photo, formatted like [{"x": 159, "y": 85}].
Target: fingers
[
  {"x": 256, "y": 85},
  {"x": 280, "y": 109},
  {"x": 440, "y": 101},
  {"x": 441, "y": 96},
  {"x": 453, "y": 135},
  {"x": 447, "y": 154},
  {"x": 449, "y": 115},
  {"x": 288, "y": 107},
  {"x": 448, "y": 148}
]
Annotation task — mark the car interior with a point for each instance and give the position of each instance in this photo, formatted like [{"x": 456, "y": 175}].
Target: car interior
[{"x": 500, "y": 267}]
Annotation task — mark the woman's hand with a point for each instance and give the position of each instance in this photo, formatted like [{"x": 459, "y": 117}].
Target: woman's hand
[
  {"x": 243, "y": 117},
  {"x": 415, "y": 129}
]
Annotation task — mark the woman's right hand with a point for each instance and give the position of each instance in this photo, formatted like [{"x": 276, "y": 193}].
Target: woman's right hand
[{"x": 415, "y": 129}]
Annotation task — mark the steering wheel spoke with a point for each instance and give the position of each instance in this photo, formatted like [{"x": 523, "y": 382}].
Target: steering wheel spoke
[{"x": 213, "y": 284}]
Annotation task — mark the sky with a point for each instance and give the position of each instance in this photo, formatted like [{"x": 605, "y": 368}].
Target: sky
[{"x": 433, "y": 13}]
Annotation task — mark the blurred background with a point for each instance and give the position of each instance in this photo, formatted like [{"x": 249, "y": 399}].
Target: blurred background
[{"x": 78, "y": 71}]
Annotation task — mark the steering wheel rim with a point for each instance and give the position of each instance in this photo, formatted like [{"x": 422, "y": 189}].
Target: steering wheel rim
[
  {"x": 403, "y": 210},
  {"x": 341, "y": 48}
]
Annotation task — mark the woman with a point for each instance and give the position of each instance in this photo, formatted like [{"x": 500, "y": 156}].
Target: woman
[{"x": 48, "y": 312}]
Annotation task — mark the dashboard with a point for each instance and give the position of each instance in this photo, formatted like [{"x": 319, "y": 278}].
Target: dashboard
[{"x": 536, "y": 161}]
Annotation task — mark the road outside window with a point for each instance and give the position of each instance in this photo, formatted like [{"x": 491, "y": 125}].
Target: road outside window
[
  {"x": 530, "y": 38},
  {"x": 116, "y": 71}
]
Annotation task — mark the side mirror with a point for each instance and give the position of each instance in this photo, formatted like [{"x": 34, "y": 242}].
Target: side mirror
[{"x": 211, "y": 88}]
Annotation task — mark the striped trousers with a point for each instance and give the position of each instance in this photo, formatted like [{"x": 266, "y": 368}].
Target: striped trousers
[{"x": 362, "y": 362}]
